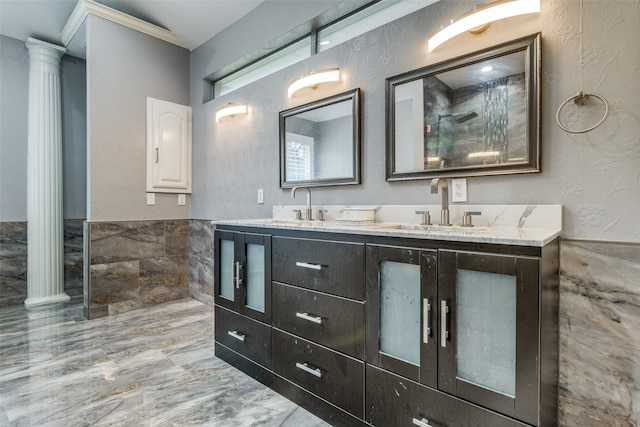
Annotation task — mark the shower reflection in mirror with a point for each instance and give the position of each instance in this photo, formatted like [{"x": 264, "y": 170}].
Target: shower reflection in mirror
[{"x": 479, "y": 117}]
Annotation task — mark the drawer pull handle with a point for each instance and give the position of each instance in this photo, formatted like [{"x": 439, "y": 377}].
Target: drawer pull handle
[
  {"x": 422, "y": 423},
  {"x": 444, "y": 333},
  {"x": 305, "y": 367},
  {"x": 306, "y": 316},
  {"x": 236, "y": 335},
  {"x": 309, "y": 265},
  {"x": 426, "y": 321}
]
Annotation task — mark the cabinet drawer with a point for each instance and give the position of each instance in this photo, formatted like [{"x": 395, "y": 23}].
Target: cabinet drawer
[
  {"x": 332, "y": 376},
  {"x": 396, "y": 401},
  {"x": 250, "y": 338},
  {"x": 335, "y": 322},
  {"x": 332, "y": 267}
]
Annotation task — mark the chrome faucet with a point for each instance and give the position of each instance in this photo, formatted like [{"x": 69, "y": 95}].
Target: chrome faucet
[
  {"x": 309, "y": 213},
  {"x": 444, "y": 214}
]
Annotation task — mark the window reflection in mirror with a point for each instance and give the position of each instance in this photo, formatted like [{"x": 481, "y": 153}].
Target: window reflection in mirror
[
  {"x": 320, "y": 142},
  {"x": 476, "y": 115}
]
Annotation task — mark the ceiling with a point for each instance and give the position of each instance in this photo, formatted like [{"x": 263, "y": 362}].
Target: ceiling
[{"x": 193, "y": 21}]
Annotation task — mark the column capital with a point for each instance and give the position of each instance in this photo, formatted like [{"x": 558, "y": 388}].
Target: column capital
[{"x": 44, "y": 53}]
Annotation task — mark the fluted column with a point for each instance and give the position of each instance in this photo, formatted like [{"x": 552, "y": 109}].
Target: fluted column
[{"x": 45, "y": 237}]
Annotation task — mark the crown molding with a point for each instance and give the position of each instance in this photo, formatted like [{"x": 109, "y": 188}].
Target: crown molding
[{"x": 86, "y": 7}]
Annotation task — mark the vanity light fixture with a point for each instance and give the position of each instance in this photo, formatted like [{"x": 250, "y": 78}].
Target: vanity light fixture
[
  {"x": 480, "y": 154},
  {"x": 230, "y": 110},
  {"x": 313, "y": 79},
  {"x": 478, "y": 19}
]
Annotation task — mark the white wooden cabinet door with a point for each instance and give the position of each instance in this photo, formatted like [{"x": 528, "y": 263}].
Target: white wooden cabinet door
[{"x": 168, "y": 147}]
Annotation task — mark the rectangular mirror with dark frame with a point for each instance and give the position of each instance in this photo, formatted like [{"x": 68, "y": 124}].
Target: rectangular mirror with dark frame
[
  {"x": 320, "y": 142},
  {"x": 478, "y": 114}
]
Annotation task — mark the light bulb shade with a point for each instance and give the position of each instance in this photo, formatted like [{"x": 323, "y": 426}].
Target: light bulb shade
[
  {"x": 486, "y": 14},
  {"x": 314, "y": 79},
  {"x": 231, "y": 110}
]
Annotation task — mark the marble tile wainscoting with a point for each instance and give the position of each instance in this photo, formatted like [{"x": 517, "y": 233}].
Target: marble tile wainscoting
[
  {"x": 13, "y": 260},
  {"x": 134, "y": 264},
  {"x": 201, "y": 261},
  {"x": 599, "y": 382}
]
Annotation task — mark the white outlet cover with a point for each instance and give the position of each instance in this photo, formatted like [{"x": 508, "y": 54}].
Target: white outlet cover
[
  {"x": 151, "y": 199},
  {"x": 459, "y": 190},
  {"x": 260, "y": 196},
  {"x": 182, "y": 199}
]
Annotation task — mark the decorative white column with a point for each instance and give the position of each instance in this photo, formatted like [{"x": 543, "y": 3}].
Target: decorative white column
[{"x": 45, "y": 236}]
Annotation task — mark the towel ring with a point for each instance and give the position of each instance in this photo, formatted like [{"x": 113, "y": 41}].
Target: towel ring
[{"x": 581, "y": 99}]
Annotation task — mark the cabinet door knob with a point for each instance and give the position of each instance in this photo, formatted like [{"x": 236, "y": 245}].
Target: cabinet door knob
[
  {"x": 422, "y": 422},
  {"x": 308, "y": 265},
  {"x": 305, "y": 367},
  {"x": 308, "y": 317},
  {"x": 237, "y": 335}
]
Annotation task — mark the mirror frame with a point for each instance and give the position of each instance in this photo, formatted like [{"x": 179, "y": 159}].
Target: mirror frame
[
  {"x": 354, "y": 96},
  {"x": 530, "y": 45}
]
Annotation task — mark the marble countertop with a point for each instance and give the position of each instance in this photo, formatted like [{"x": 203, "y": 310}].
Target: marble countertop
[{"x": 520, "y": 236}]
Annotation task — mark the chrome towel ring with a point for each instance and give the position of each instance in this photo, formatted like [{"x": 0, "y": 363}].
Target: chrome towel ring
[{"x": 581, "y": 99}]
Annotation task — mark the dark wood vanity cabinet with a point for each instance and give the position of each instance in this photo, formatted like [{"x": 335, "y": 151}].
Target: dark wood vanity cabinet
[
  {"x": 381, "y": 331},
  {"x": 466, "y": 323}
]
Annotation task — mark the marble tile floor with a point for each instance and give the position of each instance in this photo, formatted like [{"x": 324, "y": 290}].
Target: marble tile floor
[{"x": 149, "y": 367}]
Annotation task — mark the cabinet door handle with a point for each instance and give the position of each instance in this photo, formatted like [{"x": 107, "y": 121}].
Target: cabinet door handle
[
  {"x": 239, "y": 280},
  {"x": 422, "y": 423},
  {"x": 305, "y": 367},
  {"x": 157, "y": 154},
  {"x": 236, "y": 335},
  {"x": 309, "y": 265},
  {"x": 426, "y": 321},
  {"x": 306, "y": 316},
  {"x": 444, "y": 333}
]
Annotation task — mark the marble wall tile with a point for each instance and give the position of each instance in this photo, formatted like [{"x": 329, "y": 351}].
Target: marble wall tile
[
  {"x": 177, "y": 234},
  {"x": 113, "y": 282},
  {"x": 201, "y": 261},
  {"x": 599, "y": 380},
  {"x": 126, "y": 241},
  {"x": 13, "y": 240},
  {"x": 136, "y": 264},
  {"x": 13, "y": 260}
]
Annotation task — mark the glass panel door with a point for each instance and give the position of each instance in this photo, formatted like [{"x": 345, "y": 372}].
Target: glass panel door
[
  {"x": 486, "y": 330},
  {"x": 489, "y": 318},
  {"x": 227, "y": 265},
  {"x": 401, "y": 289},
  {"x": 400, "y": 310},
  {"x": 255, "y": 277}
]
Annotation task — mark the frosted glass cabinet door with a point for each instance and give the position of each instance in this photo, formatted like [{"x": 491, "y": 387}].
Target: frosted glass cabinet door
[
  {"x": 255, "y": 292},
  {"x": 243, "y": 273},
  {"x": 485, "y": 302},
  {"x": 401, "y": 289}
]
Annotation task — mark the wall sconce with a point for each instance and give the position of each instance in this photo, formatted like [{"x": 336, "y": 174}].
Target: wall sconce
[
  {"x": 479, "y": 19},
  {"x": 230, "y": 110},
  {"x": 314, "y": 79}
]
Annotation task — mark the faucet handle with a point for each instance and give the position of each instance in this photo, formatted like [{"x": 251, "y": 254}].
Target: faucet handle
[
  {"x": 426, "y": 217},
  {"x": 321, "y": 213},
  {"x": 298, "y": 213},
  {"x": 466, "y": 218}
]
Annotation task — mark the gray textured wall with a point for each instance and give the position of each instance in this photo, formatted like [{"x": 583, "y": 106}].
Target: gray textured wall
[
  {"x": 14, "y": 96},
  {"x": 595, "y": 175},
  {"x": 123, "y": 68}
]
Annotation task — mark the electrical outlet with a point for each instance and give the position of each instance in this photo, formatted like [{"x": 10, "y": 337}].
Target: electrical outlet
[
  {"x": 459, "y": 190},
  {"x": 151, "y": 199},
  {"x": 260, "y": 196},
  {"x": 182, "y": 199}
]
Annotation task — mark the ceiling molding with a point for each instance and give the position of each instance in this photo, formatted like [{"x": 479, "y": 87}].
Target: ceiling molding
[{"x": 86, "y": 7}]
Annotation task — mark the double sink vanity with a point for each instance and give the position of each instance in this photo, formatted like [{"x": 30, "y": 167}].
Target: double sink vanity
[
  {"x": 395, "y": 322},
  {"x": 374, "y": 316}
]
